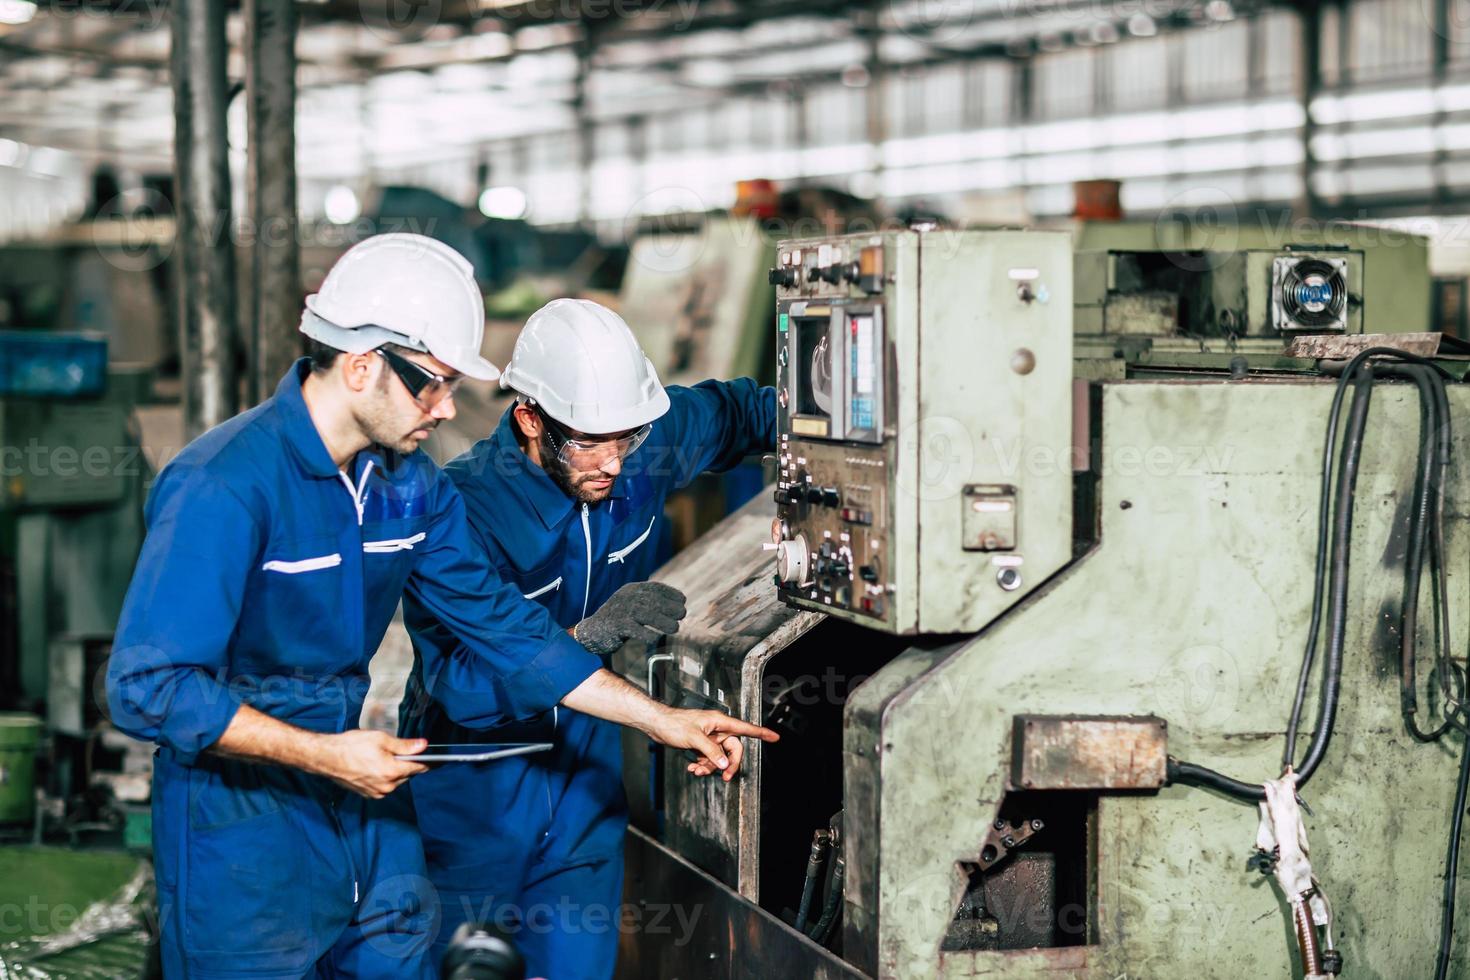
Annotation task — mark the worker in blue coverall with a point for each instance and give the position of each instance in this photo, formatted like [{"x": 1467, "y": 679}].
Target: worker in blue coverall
[
  {"x": 566, "y": 497},
  {"x": 279, "y": 545}
]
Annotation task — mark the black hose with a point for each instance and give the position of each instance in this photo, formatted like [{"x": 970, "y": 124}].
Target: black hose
[
  {"x": 815, "y": 861},
  {"x": 1179, "y": 771},
  {"x": 1418, "y": 534},
  {"x": 1452, "y": 870},
  {"x": 1319, "y": 572},
  {"x": 1342, "y": 519},
  {"x": 823, "y": 926}
]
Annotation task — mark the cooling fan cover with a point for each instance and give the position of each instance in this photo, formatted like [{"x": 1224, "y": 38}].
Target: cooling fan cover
[{"x": 1310, "y": 294}]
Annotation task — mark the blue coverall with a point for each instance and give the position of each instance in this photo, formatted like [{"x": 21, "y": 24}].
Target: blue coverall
[
  {"x": 536, "y": 843},
  {"x": 268, "y": 577}
]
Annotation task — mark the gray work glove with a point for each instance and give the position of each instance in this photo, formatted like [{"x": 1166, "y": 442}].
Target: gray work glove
[{"x": 638, "y": 611}]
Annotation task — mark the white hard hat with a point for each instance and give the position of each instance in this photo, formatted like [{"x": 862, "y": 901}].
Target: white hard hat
[
  {"x": 402, "y": 289},
  {"x": 579, "y": 361}
]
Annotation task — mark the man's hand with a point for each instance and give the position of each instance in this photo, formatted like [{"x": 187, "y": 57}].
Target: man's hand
[
  {"x": 363, "y": 761},
  {"x": 714, "y": 736},
  {"x": 642, "y": 611}
]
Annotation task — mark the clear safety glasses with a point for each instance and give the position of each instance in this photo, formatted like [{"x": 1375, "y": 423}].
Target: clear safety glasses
[
  {"x": 589, "y": 453},
  {"x": 426, "y": 387}
]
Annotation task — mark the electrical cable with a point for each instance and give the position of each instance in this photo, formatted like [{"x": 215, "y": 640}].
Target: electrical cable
[
  {"x": 823, "y": 926},
  {"x": 1419, "y": 520},
  {"x": 1191, "y": 774},
  {"x": 1452, "y": 870}
]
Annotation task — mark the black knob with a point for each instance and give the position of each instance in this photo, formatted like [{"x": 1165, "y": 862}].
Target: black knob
[
  {"x": 868, "y": 573},
  {"x": 830, "y": 497},
  {"x": 785, "y": 497},
  {"x": 782, "y": 275},
  {"x": 832, "y": 274},
  {"x": 852, "y": 272},
  {"x": 814, "y": 495}
]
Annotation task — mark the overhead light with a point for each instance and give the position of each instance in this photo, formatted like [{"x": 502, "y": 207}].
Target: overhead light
[
  {"x": 341, "y": 205},
  {"x": 1142, "y": 25},
  {"x": 16, "y": 11},
  {"x": 504, "y": 202}
]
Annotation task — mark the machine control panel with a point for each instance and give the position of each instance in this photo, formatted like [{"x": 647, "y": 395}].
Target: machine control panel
[
  {"x": 913, "y": 369},
  {"x": 836, "y": 451},
  {"x": 831, "y": 535}
]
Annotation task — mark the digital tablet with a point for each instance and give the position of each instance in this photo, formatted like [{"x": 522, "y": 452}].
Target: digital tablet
[{"x": 475, "y": 752}]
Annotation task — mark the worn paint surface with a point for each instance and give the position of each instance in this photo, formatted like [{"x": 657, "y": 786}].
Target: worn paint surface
[{"x": 1193, "y": 607}]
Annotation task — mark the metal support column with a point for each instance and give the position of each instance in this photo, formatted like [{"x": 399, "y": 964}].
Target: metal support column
[
  {"x": 877, "y": 102},
  {"x": 203, "y": 230},
  {"x": 275, "y": 264},
  {"x": 1441, "y": 61},
  {"x": 1309, "y": 83},
  {"x": 582, "y": 119}
]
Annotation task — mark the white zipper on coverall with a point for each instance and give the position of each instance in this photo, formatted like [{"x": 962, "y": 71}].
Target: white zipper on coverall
[
  {"x": 586, "y": 594},
  {"x": 356, "y": 492}
]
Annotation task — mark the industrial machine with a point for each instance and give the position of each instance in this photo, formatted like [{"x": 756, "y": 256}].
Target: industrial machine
[
  {"x": 1016, "y": 777},
  {"x": 887, "y": 484},
  {"x": 72, "y": 479}
]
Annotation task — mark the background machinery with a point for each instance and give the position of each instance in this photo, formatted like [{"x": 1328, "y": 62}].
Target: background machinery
[{"x": 1036, "y": 592}]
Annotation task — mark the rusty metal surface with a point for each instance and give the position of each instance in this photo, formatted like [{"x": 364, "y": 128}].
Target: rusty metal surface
[
  {"x": 1155, "y": 314},
  {"x": 735, "y": 625},
  {"x": 1338, "y": 347},
  {"x": 1089, "y": 752},
  {"x": 688, "y": 926}
]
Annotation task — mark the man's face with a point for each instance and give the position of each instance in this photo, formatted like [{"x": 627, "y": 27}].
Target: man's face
[
  {"x": 392, "y": 417},
  {"x": 585, "y": 475}
]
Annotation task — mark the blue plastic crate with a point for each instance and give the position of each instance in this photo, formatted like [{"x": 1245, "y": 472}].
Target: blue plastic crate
[{"x": 52, "y": 365}]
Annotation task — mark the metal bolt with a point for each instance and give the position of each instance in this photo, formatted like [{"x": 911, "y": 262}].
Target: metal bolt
[
  {"x": 1000, "y": 824},
  {"x": 1037, "y": 825}
]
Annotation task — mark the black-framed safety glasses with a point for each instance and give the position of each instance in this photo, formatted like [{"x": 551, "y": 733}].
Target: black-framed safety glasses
[
  {"x": 590, "y": 452},
  {"x": 426, "y": 387}
]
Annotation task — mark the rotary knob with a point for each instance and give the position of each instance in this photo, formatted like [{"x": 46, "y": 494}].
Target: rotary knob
[{"x": 792, "y": 560}]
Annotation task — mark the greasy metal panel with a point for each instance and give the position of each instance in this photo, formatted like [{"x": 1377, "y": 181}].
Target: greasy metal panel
[
  {"x": 1192, "y": 607},
  {"x": 681, "y": 924},
  {"x": 985, "y": 417},
  {"x": 1100, "y": 752},
  {"x": 1336, "y": 347},
  {"x": 735, "y": 623}
]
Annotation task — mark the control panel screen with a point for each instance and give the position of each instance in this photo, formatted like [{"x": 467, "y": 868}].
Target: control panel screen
[
  {"x": 813, "y": 374},
  {"x": 864, "y": 367}
]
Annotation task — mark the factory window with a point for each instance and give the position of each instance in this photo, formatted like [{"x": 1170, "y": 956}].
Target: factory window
[
  {"x": 1216, "y": 61},
  {"x": 1137, "y": 69}
]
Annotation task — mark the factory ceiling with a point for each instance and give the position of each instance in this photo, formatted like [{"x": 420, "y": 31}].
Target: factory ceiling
[{"x": 91, "y": 77}]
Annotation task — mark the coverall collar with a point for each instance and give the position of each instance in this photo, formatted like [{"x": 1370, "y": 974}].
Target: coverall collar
[
  {"x": 548, "y": 500},
  {"x": 300, "y": 431}
]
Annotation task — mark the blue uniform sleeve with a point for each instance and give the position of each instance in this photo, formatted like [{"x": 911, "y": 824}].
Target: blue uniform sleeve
[
  {"x": 716, "y": 424},
  {"x": 166, "y": 680},
  {"x": 489, "y": 655}
]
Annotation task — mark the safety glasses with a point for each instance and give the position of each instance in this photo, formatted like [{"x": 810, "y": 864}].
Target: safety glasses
[
  {"x": 426, "y": 387},
  {"x": 589, "y": 453}
]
